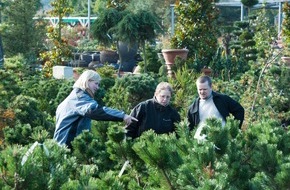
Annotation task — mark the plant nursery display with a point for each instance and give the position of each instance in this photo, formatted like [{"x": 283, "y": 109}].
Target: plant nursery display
[
  {"x": 127, "y": 29},
  {"x": 218, "y": 156}
]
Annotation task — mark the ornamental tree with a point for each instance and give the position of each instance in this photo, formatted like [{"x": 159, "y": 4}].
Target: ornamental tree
[
  {"x": 59, "y": 50},
  {"x": 196, "y": 28}
]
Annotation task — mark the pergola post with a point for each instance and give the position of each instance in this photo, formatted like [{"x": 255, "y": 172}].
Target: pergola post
[
  {"x": 242, "y": 12},
  {"x": 172, "y": 19},
  {"x": 89, "y": 18},
  {"x": 280, "y": 18}
]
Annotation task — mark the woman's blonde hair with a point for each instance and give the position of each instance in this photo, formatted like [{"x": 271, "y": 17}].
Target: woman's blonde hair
[
  {"x": 85, "y": 77},
  {"x": 163, "y": 86}
]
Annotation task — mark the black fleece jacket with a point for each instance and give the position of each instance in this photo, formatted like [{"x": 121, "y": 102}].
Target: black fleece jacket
[{"x": 152, "y": 115}]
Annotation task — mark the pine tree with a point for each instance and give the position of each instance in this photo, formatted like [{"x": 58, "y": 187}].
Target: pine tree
[
  {"x": 22, "y": 34},
  {"x": 47, "y": 166},
  {"x": 228, "y": 159}
]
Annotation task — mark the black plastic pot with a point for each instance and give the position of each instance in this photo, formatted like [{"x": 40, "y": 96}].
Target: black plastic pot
[{"x": 127, "y": 56}]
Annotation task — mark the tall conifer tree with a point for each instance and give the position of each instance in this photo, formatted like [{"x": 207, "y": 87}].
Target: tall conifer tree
[{"x": 22, "y": 33}]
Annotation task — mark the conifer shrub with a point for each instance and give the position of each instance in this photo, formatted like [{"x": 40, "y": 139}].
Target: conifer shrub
[
  {"x": 254, "y": 157},
  {"x": 89, "y": 149},
  {"x": 47, "y": 166},
  {"x": 129, "y": 90},
  {"x": 52, "y": 92},
  {"x": 153, "y": 63},
  {"x": 184, "y": 86}
]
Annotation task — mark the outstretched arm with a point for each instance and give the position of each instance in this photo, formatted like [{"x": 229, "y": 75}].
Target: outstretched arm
[
  {"x": 105, "y": 114},
  {"x": 133, "y": 128}
]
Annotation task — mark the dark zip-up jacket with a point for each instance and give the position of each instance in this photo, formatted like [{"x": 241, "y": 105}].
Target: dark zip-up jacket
[
  {"x": 152, "y": 115},
  {"x": 225, "y": 105}
]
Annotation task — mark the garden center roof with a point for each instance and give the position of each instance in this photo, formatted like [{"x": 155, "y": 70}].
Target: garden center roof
[
  {"x": 237, "y": 3},
  {"x": 71, "y": 20},
  {"x": 269, "y": 4}
]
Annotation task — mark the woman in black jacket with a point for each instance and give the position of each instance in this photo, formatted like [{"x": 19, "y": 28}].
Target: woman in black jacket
[{"x": 155, "y": 113}]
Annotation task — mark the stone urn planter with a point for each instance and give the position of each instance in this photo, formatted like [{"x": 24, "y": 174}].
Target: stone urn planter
[{"x": 169, "y": 56}]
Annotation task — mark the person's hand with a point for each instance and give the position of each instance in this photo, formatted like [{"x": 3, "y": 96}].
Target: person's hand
[{"x": 129, "y": 119}]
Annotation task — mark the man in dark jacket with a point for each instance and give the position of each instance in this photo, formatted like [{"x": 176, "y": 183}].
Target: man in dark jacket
[
  {"x": 155, "y": 113},
  {"x": 212, "y": 104}
]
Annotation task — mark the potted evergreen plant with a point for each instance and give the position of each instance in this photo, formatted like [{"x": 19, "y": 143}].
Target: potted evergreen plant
[{"x": 126, "y": 28}]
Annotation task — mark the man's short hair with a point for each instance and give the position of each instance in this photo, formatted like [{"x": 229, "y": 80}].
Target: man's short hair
[{"x": 203, "y": 79}]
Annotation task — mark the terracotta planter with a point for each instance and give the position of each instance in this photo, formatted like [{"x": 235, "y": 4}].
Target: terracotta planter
[
  {"x": 279, "y": 43},
  {"x": 169, "y": 56},
  {"x": 206, "y": 71},
  {"x": 286, "y": 60}
]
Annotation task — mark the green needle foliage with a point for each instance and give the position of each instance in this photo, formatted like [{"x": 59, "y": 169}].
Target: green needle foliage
[
  {"x": 20, "y": 32},
  {"x": 254, "y": 157},
  {"x": 129, "y": 90},
  {"x": 51, "y": 167}
]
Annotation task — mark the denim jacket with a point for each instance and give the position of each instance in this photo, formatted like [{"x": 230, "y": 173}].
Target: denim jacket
[{"x": 75, "y": 113}]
